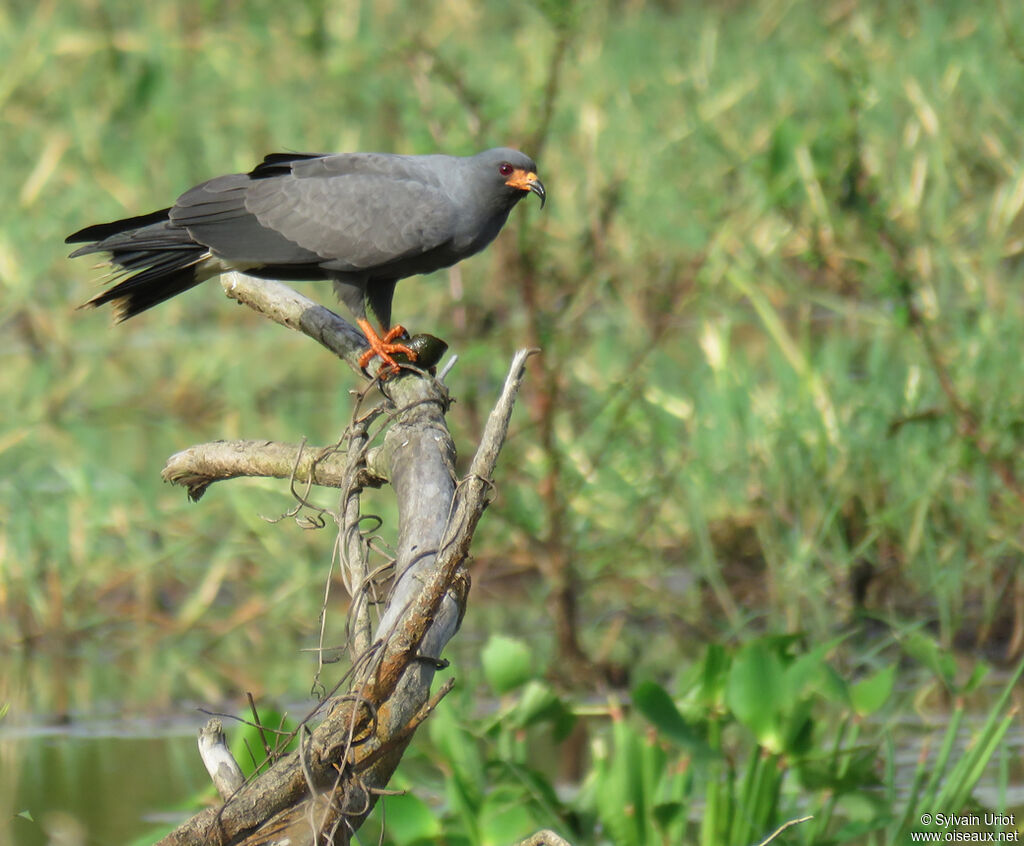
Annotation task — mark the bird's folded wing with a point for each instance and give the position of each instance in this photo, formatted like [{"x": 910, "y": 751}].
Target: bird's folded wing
[
  {"x": 363, "y": 220},
  {"x": 354, "y": 221}
]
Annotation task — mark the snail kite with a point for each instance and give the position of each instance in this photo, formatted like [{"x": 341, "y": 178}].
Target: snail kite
[{"x": 362, "y": 220}]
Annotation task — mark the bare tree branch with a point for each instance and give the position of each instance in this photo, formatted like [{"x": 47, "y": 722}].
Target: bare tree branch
[
  {"x": 323, "y": 792},
  {"x": 288, "y": 307},
  {"x": 198, "y": 467}
]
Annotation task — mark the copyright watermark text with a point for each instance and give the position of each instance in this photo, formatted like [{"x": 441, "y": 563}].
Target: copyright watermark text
[{"x": 967, "y": 828}]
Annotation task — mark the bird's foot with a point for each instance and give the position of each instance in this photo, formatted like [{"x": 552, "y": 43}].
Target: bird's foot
[{"x": 384, "y": 348}]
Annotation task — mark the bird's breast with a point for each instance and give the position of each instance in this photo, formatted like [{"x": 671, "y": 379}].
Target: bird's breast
[{"x": 470, "y": 240}]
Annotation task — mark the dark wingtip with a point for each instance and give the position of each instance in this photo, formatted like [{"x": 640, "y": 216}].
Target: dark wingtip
[
  {"x": 100, "y": 231},
  {"x": 274, "y": 164}
]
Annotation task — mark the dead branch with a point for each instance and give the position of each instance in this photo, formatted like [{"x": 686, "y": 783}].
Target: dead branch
[
  {"x": 220, "y": 763},
  {"x": 288, "y": 307},
  {"x": 198, "y": 467},
  {"x": 323, "y": 792}
]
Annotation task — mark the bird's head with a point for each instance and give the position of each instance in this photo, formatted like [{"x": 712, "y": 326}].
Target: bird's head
[{"x": 514, "y": 171}]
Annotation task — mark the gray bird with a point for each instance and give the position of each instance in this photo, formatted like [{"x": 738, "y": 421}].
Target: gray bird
[{"x": 362, "y": 220}]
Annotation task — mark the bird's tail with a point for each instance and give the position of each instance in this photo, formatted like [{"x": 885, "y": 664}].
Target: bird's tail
[{"x": 153, "y": 259}]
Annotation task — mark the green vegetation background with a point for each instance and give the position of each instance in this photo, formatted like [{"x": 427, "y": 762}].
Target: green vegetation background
[{"x": 777, "y": 285}]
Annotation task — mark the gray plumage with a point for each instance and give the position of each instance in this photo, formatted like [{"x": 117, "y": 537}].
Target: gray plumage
[{"x": 362, "y": 220}]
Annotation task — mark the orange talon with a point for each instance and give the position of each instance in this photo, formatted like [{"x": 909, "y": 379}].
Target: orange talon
[{"x": 384, "y": 347}]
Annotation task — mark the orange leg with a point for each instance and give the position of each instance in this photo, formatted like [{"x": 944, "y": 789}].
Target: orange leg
[{"x": 383, "y": 347}]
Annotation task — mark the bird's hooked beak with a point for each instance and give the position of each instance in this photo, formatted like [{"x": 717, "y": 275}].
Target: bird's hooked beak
[{"x": 526, "y": 180}]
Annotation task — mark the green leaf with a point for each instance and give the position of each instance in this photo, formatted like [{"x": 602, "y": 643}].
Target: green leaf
[
  {"x": 833, "y": 686},
  {"x": 620, "y": 796},
  {"x": 716, "y": 672},
  {"x": 755, "y": 692},
  {"x": 505, "y": 815},
  {"x": 798, "y": 728},
  {"x": 811, "y": 671},
  {"x": 978, "y": 675},
  {"x": 461, "y": 752},
  {"x": 861, "y": 806},
  {"x": 653, "y": 701},
  {"x": 246, "y": 741},
  {"x": 923, "y": 648},
  {"x": 408, "y": 819},
  {"x": 537, "y": 787},
  {"x": 538, "y": 703},
  {"x": 666, "y": 813},
  {"x": 870, "y": 694},
  {"x": 856, "y": 772},
  {"x": 508, "y": 663}
]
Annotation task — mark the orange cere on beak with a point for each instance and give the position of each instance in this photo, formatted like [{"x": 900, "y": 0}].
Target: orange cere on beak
[{"x": 527, "y": 180}]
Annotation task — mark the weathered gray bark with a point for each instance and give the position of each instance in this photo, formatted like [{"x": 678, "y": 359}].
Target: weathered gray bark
[
  {"x": 198, "y": 467},
  {"x": 323, "y": 792},
  {"x": 223, "y": 768}
]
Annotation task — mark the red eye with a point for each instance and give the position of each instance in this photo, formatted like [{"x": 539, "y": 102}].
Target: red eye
[{"x": 505, "y": 169}]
